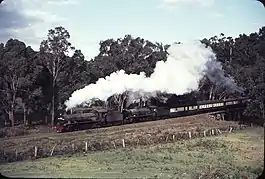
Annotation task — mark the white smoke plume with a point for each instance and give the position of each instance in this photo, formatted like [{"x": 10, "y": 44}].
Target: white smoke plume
[
  {"x": 137, "y": 95},
  {"x": 216, "y": 75},
  {"x": 180, "y": 73}
]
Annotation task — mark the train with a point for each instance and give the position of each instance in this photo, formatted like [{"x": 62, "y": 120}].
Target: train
[{"x": 84, "y": 118}]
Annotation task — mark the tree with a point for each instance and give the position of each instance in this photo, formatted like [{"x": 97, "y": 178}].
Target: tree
[
  {"x": 17, "y": 74},
  {"x": 134, "y": 55},
  {"x": 75, "y": 76},
  {"x": 117, "y": 101},
  {"x": 243, "y": 58},
  {"x": 53, "y": 53},
  {"x": 31, "y": 92}
]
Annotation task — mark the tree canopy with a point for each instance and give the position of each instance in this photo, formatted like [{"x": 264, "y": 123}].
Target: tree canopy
[{"x": 41, "y": 81}]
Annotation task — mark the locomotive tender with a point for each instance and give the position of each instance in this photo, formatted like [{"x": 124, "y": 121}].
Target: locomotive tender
[{"x": 83, "y": 118}]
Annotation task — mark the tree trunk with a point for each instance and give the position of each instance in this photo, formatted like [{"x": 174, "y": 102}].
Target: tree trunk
[
  {"x": 46, "y": 119},
  {"x": 263, "y": 109},
  {"x": 11, "y": 116},
  {"x": 211, "y": 93},
  {"x": 25, "y": 115},
  {"x": 122, "y": 104},
  {"x": 53, "y": 109}
]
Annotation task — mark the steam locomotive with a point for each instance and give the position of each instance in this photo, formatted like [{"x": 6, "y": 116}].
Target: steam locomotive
[{"x": 84, "y": 118}]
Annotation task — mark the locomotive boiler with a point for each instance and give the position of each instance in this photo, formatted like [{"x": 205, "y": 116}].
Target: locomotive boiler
[{"x": 83, "y": 118}]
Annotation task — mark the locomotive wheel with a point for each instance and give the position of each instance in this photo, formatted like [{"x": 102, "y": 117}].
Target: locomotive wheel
[
  {"x": 131, "y": 121},
  {"x": 69, "y": 128}
]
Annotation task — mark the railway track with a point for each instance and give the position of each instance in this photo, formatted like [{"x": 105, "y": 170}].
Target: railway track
[
  {"x": 176, "y": 124},
  {"x": 116, "y": 129},
  {"x": 144, "y": 133}
]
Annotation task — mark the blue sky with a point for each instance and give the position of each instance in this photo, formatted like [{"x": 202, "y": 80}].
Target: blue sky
[{"x": 166, "y": 21}]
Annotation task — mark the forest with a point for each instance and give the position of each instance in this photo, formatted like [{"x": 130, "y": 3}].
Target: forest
[{"x": 35, "y": 84}]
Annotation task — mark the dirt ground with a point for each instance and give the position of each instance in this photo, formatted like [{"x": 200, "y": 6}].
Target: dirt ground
[
  {"x": 233, "y": 155},
  {"x": 131, "y": 135},
  {"x": 21, "y": 130}
]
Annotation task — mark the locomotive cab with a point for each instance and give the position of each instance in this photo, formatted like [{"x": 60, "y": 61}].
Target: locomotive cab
[{"x": 61, "y": 125}]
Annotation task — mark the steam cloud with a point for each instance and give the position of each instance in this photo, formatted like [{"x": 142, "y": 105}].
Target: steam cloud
[
  {"x": 216, "y": 75},
  {"x": 180, "y": 73}
]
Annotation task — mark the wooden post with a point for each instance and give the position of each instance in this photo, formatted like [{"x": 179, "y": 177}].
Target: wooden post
[
  {"x": 36, "y": 152},
  {"x": 219, "y": 131},
  {"x": 123, "y": 143},
  {"x": 230, "y": 129},
  {"x": 86, "y": 146},
  {"x": 216, "y": 131},
  {"x": 173, "y": 137},
  {"x": 166, "y": 138},
  {"x": 46, "y": 119},
  {"x": 114, "y": 144},
  {"x": 16, "y": 154},
  {"x": 73, "y": 147},
  {"x": 52, "y": 150},
  {"x": 212, "y": 132},
  {"x": 204, "y": 133},
  {"x": 190, "y": 135}
]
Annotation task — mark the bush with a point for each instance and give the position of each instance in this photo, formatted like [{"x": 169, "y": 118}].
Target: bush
[{"x": 13, "y": 131}]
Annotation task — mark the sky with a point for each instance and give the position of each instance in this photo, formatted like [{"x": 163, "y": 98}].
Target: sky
[{"x": 90, "y": 21}]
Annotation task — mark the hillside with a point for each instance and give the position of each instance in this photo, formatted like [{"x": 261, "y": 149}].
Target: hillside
[
  {"x": 131, "y": 135},
  {"x": 235, "y": 155}
]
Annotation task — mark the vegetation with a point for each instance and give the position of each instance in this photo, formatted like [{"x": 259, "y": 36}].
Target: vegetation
[
  {"x": 233, "y": 156},
  {"x": 102, "y": 139},
  {"x": 37, "y": 83}
]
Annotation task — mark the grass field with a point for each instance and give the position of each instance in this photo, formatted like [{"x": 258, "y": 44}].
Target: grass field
[
  {"x": 146, "y": 133},
  {"x": 227, "y": 156}
]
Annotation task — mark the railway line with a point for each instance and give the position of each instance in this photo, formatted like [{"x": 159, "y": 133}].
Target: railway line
[
  {"x": 180, "y": 122},
  {"x": 139, "y": 132},
  {"x": 173, "y": 125},
  {"x": 84, "y": 118},
  {"x": 147, "y": 121}
]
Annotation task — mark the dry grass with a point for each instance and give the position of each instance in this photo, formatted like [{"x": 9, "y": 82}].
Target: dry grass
[
  {"x": 228, "y": 156},
  {"x": 148, "y": 133}
]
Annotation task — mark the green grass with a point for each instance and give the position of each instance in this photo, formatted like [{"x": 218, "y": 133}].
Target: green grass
[{"x": 228, "y": 156}]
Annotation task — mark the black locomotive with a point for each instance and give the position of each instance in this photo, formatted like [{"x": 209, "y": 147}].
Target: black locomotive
[{"x": 83, "y": 118}]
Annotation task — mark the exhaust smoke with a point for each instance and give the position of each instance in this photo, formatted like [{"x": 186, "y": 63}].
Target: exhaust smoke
[{"x": 186, "y": 64}]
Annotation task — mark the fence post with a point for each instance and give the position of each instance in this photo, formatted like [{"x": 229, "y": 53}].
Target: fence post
[
  {"x": 190, "y": 135},
  {"x": 73, "y": 147},
  {"x": 36, "y": 151},
  {"x": 52, "y": 150},
  {"x": 114, "y": 144},
  {"x": 123, "y": 143},
  {"x": 86, "y": 146}
]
